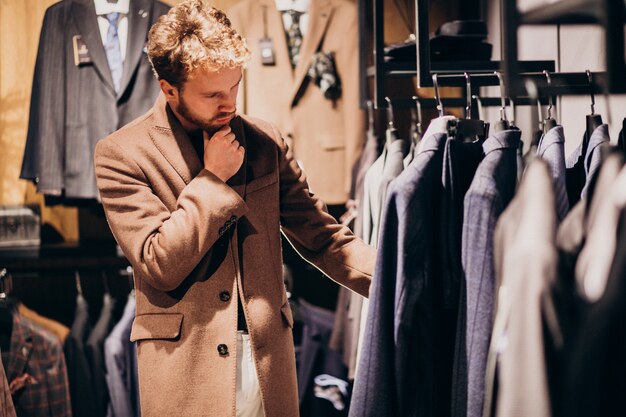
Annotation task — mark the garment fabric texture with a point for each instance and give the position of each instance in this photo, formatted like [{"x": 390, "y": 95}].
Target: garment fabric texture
[
  {"x": 325, "y": 135},
  {"x": 82, "y": 391},
  {"x": 399, "y": 369},
  {"x": 394, "y": 165},
  {"x": 120, "y": 355},
  {"x": 73, "y": 106},
  {"x": 526, "y": 267},
  {"x": 6, "y": 402},
  {"x": 552, "y": 149},
  {"x": 491, "y": 191},
  {"x": 36, "y": 357},
  {"x": 94, "y": 352},
  {"x": 193, "y": 240},
  {"x": 248, "y": 394}
]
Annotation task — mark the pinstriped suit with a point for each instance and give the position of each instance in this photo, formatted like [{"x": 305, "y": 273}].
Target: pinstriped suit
[
  {"x": 491, "y": 191},
  {"x": 73, "y": 107}
]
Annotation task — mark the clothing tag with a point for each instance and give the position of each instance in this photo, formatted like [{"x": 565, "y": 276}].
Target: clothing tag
[
  {"x": 81, "y": 53},
  {"x": 267, "y": 51}
]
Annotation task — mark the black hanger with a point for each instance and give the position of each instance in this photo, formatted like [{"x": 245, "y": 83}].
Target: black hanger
[
  {"x": 592, "y": 120},
  {"x": 391, "y": 133},
  {"x": 468, "y": 129},
  {"x": 503, "y": 123},
  {"x": 548, "y": 122}
]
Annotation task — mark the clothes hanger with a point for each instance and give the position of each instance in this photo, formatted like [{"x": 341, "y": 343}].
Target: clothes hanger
[
  {"x": 468, "y": 129},
  {"x": 503, "y": 123},
  {"x": 391, "y": 133},
  {"x": 437, "y": 96},
  {"x": 105, "y": 283},
  {"x": 593, "y": 120},
  {"x": 548, "y": 122},
  {"x": 370, "y": 115},
  {"x": 79, "y": 287},
  {"x": 513, "y": 113}
]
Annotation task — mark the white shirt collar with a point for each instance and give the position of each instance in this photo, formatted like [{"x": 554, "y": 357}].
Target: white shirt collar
[
  {"x": 297, "y": 5},
  {"x": 103, "y": 7}
]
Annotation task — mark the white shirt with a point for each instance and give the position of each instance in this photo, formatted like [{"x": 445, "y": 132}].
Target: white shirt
[
  {"x": 103, "y": 7},
  {"x": 301, "y": 6}
]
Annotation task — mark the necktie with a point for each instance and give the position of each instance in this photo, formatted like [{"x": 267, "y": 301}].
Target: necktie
[
  {"x": 113, "y": 51},
  {"x": 294, "y": 37}
]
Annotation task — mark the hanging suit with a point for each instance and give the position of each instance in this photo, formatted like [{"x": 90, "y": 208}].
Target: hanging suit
[
  {"x": 327, "y": 136},
  {"x": 72, "y": 107},
  {"x": 6, "y": 402}
]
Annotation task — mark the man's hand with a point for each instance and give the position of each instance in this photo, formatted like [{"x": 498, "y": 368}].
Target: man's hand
[{"x": 223, "y": 155}]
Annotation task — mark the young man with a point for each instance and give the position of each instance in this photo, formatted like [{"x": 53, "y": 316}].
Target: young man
[{"x": 196, "y": 197}]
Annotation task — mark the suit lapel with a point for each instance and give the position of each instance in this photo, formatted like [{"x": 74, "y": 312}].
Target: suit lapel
[
  {"x": 21, "y": 348},
  {"x": 319, "y": 16},
  {"x": 84, "y": 13},
  {"x": 138, "y": 20}
]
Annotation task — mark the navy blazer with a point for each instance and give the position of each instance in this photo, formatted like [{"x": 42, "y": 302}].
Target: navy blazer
[{"x": 398, "y": 370}]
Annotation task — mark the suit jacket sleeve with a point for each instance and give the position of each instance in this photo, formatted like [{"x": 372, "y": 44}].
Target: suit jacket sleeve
[
  {"x": 315, "y": 234},
  {"x": 45, "y": 141},
  {"x": 163, "y": 246},
  {"x": 57, "y": 386}
]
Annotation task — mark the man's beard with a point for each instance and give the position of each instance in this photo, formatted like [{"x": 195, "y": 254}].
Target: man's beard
[{"x": 204, "y": 124}]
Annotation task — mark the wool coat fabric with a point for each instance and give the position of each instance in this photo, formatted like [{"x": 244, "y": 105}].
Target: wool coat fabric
[{"x": 198, "y": 244}]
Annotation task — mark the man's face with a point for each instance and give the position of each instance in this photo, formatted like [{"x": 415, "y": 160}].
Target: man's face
[{"x": 207, "y": 100}]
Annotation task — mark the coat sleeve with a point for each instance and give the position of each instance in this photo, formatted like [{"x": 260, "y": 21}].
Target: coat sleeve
[
  {"x": 315, "y": 234},
  {"x": 163, "y": 246},
  {"x": 43, "y": 157}
]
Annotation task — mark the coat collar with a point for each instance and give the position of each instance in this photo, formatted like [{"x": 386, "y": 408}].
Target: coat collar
[
  {"x": 172, "y": 141},
  {"x": 502, "y": 140},
  {"x": 320, "y": 13}
]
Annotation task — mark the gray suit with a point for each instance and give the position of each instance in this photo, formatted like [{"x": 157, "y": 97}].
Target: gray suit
[
  {"x": 552, "y": 149},
  {"x": 489, "y": 194},
  {"x": 72, "y": 107}
]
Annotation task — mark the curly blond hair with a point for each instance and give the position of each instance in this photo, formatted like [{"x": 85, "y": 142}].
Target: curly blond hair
[{"x": 194, "y": 35}]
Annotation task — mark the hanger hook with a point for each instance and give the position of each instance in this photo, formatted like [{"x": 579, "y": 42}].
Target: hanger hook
[
  {"x": 593, "y": 98},
  {"x": 547, "y": 74},
  {"x": 79, "y": 287},
  {"x": 512, "y": 107},
  {"x": 3, "y": 274},
  {"x": 418, "y": 106},
  {"x": 390, "y": 120},
  {"x": 502, "y": 96},
  {"x": 437, "y": 97},
  {"x": 468, "y": 92}
]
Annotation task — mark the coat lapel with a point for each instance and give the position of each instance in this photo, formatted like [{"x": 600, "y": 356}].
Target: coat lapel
[
  {"x": 172, "y": 141},
  {"x": 319, "y": 16},
  {"x": 138, "y": 21},
  {"x": 84, "y": 13}
]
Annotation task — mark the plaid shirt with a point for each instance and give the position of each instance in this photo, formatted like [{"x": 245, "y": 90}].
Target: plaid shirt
[{"x": 36, "y": 371}]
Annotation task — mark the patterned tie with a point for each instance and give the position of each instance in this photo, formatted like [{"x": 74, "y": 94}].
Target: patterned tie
[
  {"x": 113, "y": 51},
  {"x": 294, "y": 37}
]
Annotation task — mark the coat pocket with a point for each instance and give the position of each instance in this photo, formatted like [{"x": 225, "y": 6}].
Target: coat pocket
[
  {"x": 166, "y": 326},
  {"x": 285, "y": 310}
]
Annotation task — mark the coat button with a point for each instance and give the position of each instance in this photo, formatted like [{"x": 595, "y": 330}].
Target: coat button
[
  {"x": 225, "y": 296},
  {"x": 222, "y": 349}
]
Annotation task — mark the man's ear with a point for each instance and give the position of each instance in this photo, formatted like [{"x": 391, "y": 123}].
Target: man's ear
[{"x": 171, "y": 92}]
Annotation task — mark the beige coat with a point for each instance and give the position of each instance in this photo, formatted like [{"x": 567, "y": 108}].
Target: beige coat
[
  {"x": 195, "y": 241},
  {"x": 327, "y": 137}
]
